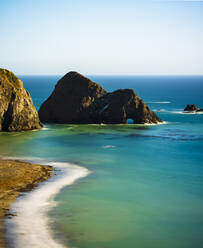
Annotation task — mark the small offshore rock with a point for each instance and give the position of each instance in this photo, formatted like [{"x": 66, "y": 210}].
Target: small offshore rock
[{"x": 191, "y": 107}]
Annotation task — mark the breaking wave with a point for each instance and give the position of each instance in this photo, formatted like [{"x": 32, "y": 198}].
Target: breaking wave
[{"x": 161, "y": 102}]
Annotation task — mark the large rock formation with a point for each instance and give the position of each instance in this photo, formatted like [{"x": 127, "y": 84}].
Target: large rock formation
[
  {"x": 76, "y": 99},
  {"x": 17, "y": 111}
]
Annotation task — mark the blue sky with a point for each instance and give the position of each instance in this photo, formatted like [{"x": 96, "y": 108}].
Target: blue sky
[{"x": 102, "y": 37}]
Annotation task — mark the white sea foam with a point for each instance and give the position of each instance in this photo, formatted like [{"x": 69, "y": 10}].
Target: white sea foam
[
  {"x": 161, "y": 102},
  {"x": 153, "y": 124},
  {"x": 188, "y": 113},
  {"x": 31, "y": 226},
  {"x": 45, "y": 128},
  {"x": 179, "y": 111},
  {"x": 109, "y": 146}
]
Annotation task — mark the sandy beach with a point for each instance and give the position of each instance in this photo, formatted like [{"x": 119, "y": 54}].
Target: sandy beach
[{"x": 17, "y": 177}]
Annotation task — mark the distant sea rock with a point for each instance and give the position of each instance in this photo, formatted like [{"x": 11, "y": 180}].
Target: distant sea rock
[
  {"x": 78, "y": 100},
  {"x": 17, "y": 111},
  {"x": 192, "y": 108}
]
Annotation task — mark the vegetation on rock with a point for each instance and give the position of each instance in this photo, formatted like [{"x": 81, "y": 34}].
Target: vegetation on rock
[{"x": 17, "y": 111}]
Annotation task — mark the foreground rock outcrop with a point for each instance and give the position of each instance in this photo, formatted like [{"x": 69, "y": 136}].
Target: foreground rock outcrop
[
  {"x": 17, "y": 111},
  {"x": 192, "y": 108},
  {"x": 78, "y": 100}
]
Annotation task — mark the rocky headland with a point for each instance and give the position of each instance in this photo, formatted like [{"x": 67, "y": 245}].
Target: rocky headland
[
  {"x": 78, "y": 100},
  {"x": 16, "y": 177},
  {"x": 17, "y": 112}
]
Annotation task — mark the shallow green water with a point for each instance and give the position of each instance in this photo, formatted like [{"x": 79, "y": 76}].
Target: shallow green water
[{"x": 145, "y": 189}]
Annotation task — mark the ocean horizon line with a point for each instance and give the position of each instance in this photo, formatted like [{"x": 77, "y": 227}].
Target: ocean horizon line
[{"x": 120, "y": 75}]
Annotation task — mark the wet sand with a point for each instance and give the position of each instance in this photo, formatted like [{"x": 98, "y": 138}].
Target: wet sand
[{"x": 17, "y": 177}]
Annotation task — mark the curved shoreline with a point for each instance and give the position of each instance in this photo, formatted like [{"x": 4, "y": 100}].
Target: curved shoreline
[
  {"x": 17, "y": 177},
  {"x": 32, "y": 208}
]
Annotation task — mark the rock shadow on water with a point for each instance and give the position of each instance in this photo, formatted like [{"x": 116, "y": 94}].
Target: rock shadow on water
[{"x": 169, "y": 134}]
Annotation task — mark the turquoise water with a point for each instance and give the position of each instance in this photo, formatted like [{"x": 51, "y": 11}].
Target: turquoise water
[{"x": 146, "y": 183}]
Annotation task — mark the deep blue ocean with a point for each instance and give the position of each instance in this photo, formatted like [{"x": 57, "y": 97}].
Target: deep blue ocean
[{"x": 145, "y": 188}]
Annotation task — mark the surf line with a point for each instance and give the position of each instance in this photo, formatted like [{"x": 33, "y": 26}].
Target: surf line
[
  {"x": 161, "y": 102},
  {"x": 30, "y": 227}
]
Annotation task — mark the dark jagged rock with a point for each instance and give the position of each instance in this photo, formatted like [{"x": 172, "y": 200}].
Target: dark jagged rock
[
  {"x": 72, "y": 96},
  {"x": 76, "y": 99},
  {"x": 120, "y": 105},
  {"x": 191, "y": 108},
  {"x": 17, "y": 111}
]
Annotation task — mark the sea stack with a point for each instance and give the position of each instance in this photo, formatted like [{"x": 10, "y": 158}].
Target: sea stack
[
  {"x": 17, "y": 112},
  {"x": 192, "y": 108},
  {"x": 78, "y": 100}
]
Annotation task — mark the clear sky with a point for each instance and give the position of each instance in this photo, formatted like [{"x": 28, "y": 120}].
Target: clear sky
[{"x": 101, "y": 36}]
